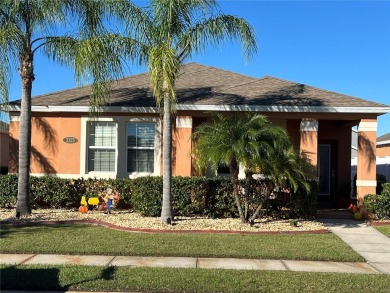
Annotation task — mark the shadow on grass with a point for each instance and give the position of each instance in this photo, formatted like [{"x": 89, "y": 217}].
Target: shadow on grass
[
  {"x": 7, "y": 228},
  {"x": 19, "y": 278},
  {"x": 43, "y": 279}
]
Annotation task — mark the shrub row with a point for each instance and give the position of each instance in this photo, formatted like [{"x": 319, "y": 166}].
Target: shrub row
[
  {"x": 54, "y": 192},
  {"x": 210, "y": 197},
  {"x": 379, "y": 204}
]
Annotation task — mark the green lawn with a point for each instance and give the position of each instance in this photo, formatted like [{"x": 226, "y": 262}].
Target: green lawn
[
  {"x": 63, "y": 278},
  {"x": 385, "y": 229},
  {"x": 86, "y": 239}
]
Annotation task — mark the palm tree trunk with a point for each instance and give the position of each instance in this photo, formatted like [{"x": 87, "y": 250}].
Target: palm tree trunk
[
  {"x": 256, "y": 213},
  {"x": 233, "y": 166},
  {"x": 248, "y": 192},
  {"x": 166, "y": 211},
  {"x": 23, "y": 206},
  {"x": 268, "y": 187}
]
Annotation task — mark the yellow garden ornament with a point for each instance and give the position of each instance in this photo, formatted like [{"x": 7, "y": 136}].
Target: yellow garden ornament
[
  {"x": 93, "y": 201},
  {"x": 83, "y": 201}
]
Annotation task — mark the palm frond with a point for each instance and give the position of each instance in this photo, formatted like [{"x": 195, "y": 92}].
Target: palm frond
[
  {"x": 163, "y": 69},
  {"x": 215, "y": 31}
]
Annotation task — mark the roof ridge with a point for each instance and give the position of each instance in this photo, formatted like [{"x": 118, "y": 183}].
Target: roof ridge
[
  {"x": 203, "y": 69},
  {"x": 319, "y": 89}
]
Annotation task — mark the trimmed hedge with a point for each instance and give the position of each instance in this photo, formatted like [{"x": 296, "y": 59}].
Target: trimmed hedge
[
  {"x": 379, "y": 204},
  {"x": 211, "y": 197},
  {"x": 8, "y": 190}
]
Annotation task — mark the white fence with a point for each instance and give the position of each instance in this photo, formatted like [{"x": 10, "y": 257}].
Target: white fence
[{"x": 382, "y": 167}]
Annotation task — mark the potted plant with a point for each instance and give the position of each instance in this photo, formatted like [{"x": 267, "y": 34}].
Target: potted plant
[{"x": 357, "y": 212}]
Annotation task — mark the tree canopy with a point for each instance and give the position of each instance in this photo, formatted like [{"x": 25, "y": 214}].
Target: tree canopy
[
  {"x": 252, "y": 142},
  {"x": 169, "y": 33}
]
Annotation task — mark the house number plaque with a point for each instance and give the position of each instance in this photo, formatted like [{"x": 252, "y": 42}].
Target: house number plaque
[{"x": 70, "y": 139}]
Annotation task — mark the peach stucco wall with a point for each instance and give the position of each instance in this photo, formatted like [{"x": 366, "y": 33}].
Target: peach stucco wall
[
  {"x": 309, "y": 140},
  {"x": 182, "y": 146},
  {"x": 383, "y": 151},
  {"x": 49, "y": 153},
  {"x": 182, "y": 152},
  {"x": 366, "y": 168},
  {"x": 52, "y": 155}
]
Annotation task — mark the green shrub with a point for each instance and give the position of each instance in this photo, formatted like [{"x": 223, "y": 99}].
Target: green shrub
[
  {"x": 123, "y": 186},
  {"x": 190, "y": 196},
  {"x": 379, "y": 204},
  {"x": 288, "y": 204},
  {"x": 8, "y": 190},
  {"x": 303, "y": 204},
  {"x": 380, "y": 180},
  {"x": 49, "y": 191},
  {"x": 54, "y": 192},
  {"x": 211, "y": 197},
  {"x": 219, "y": 201},
  {"x": 146, "y": 195}
]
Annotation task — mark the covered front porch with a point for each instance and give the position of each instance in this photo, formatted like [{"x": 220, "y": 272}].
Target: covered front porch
[
  {"x": 327, "y": 145},
  {"x": 323, "y": 139}
]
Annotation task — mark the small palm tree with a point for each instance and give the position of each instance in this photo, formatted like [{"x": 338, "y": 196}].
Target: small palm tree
[
  {"x": 170, "y": 32},
  {"x": 253, "y": 142},
  {"x": 28, "y": 28}
]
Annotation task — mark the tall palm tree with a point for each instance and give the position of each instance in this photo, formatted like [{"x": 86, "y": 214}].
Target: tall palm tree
[
  {"x": 28, "y": 28},
  {"x": 171, "y": 32},
  {"x": 253, "y": 142}
]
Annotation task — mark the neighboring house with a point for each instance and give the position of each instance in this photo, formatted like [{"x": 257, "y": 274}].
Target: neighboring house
[
  {"x": 125, "y": 140},
  {"x": 382, "y": 154},
  {"x": 4, "y": 147}
]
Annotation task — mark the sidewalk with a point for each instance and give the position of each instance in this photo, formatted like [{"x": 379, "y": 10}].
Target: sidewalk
[
  {"x": 189, "y": 262},
  {"x": 364, "y": 239}
]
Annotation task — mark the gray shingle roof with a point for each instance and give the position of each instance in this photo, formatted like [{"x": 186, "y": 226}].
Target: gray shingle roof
[
  {"x": 205, "y": 85},
  {"x": 385, "y": 137}
]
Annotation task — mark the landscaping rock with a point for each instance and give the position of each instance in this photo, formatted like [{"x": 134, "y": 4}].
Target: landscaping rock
[{"x": 129, "y": 219}]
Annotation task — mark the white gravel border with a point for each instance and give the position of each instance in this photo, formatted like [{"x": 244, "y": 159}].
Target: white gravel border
[{"x": 129, "y": 219}]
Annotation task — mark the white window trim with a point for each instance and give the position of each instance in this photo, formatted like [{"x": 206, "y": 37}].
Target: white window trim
[
  {"x": 157, "y": 146},
  {"x": 121, "y": 139},
  {"x": 84, "y": 149}
]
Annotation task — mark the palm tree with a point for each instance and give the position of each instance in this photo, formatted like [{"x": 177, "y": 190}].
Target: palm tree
[
  {"x": 171, "y": 32},
  {"x": 253, "y": 142},
  {"x": 29, "y": 27}
]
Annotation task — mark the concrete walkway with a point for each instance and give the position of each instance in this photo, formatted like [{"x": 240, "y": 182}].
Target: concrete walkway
[
  {"x": 189, "y": 262},
  {"x": 372, "y": 245}
]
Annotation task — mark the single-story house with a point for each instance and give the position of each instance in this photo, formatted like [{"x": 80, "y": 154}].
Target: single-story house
[
  {"x": 383, "y": 155},
  {"x": 383, "y": 145},
  {"x": 125, "y": 140}
]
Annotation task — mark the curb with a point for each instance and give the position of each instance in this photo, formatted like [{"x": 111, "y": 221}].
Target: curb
[{"x": 379, "y": 223}]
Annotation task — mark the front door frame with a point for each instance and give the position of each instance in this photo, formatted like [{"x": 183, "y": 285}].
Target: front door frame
[{"x": 329, "y": 200}]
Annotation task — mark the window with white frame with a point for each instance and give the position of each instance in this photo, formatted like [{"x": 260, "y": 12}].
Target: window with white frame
[
  {"x": 102, "y": 141},
  {"x": 140, "y": 147}
]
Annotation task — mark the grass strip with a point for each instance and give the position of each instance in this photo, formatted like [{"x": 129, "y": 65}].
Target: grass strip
[
  {"x": 86, "y": 239},
  {"x": 83, "y": 278},
  {"x": 385, "y": 229}
]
